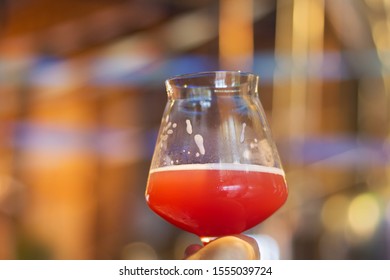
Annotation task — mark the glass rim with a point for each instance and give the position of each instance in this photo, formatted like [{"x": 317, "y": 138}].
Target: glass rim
[
  {"x": 205, "y": 73},
  {"x": 241, "y": 78}
]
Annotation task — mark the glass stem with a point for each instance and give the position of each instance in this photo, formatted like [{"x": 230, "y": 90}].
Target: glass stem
[{"x": 207, "y": 239}]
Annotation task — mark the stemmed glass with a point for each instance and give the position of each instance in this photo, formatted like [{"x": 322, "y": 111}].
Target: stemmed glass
[{"x": 215, "y": 169}]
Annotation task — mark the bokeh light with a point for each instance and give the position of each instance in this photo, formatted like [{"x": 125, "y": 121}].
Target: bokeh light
[{"x": 364, "y": 216}]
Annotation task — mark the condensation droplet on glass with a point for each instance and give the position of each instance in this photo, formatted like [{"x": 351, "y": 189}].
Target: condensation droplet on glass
[
  {"x": 242, "y": 137},
  {"x": 247, "y": 154},
  {"x": 189, "y": 127},
  {"x": 197, "y": 154},
  {"x": 266, "y": 151},
  {"x": 199, "y": 142},
  {"x": 174, "y": 125},
  {"x": 170, "y": 131},
  {"x": 253, "y": 145}
]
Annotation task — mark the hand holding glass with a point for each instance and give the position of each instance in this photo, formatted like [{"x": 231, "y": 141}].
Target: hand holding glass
[{"x": 215, "y": 169}]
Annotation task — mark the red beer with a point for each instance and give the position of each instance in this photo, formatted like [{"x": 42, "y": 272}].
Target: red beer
[{"x": 212, "y": 200}]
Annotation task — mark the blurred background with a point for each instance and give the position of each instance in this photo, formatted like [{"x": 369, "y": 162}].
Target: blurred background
[{"x": 82, "y": 93}]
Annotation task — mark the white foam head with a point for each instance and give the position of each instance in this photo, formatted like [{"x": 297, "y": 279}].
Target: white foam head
[{"x": 221, "y": 166}]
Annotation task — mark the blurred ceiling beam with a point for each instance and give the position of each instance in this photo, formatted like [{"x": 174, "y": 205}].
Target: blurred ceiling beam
[
  {"x": 75, "y": 34},
  {"x": 298, "y": 50},
  {"x": 366, "y": 27},
  {"x": 125, "y": 55},
  {"x": 236, "y": 34},
  {"x": 377, "y": 110},
  {"x": 349, "y": 23}
]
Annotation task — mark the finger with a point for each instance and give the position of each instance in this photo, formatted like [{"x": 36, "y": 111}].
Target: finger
[
  {"x": 236, "y": 247},
  {"x": 192, "y": 249}
]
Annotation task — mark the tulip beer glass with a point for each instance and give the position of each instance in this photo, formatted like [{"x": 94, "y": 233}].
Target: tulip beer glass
[{"x": 215, "y": 169}]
